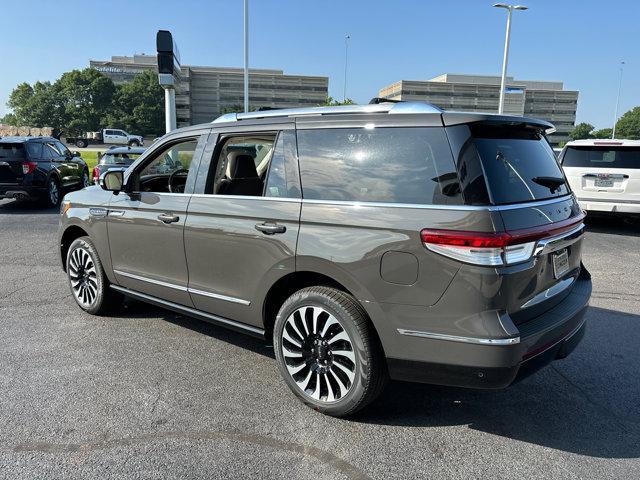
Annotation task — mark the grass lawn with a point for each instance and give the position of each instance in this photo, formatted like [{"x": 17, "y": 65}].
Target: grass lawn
[{"x": 91, "y": 157}]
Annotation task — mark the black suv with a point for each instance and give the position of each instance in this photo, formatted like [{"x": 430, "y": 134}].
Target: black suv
[{"x": 39, "y": 168}]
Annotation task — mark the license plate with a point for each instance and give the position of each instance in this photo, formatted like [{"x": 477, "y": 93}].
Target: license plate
[
  {"x": 604, "y": 182},
  {"x": 560, "y": 263}
]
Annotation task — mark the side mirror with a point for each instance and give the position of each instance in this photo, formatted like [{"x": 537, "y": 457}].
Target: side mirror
[
  {"x": 75, "y": 153},
  {"x": 112, "y": 181}
]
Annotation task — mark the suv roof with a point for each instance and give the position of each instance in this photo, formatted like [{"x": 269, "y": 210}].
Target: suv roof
[
  {"x": 603, "y": 143},
  {"x": 391, "y": 108},
  {"x": 116, "y": 150}
]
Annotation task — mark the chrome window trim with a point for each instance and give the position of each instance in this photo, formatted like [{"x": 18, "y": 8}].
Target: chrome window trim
[
  {"x": 489, "y": 208},
  {"x": 150, "y": 280},
  {"x": 456, "y": 338},
  {"x": 248, "y": 197},
  {"x": 218, "y": 296},
  {"x": 182, "y": 288}
]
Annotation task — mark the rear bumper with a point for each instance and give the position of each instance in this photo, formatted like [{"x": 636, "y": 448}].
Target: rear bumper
[
  {"x": 543, "y": 339},
  {"x": 612, "y": 206},
  {"x": 20, "y": 192}
]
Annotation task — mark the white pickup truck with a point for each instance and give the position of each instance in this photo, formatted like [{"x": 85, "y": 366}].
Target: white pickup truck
[{"x": 107, "y": 136}]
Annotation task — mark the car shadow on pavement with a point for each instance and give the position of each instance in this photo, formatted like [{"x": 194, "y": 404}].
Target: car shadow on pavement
[
  {"x": 13, "y": 207},
  {"x": 614, "y": 224},
  {"x": 586, "y": 404}
]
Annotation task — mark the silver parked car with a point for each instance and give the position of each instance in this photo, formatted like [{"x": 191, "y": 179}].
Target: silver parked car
[{"x": 366, "y": 242}]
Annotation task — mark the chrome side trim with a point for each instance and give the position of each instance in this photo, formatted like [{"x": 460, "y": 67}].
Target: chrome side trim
[
  {"x": 549, "y": 292},
  {"x": 182, "y": 289},
  {"x": 151, "y": 280},
  {"x": 489, "y": 208},
  {"x": 456, "y": 338},
  {"x": 558, "y": 242},
  {"x": 218, "y": 296},
  {"x": 225, "y": 322},
  {"x": 98, "y": 212}
]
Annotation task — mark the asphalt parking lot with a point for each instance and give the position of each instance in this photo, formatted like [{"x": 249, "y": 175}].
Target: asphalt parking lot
[{"x": 151, "y": 394}]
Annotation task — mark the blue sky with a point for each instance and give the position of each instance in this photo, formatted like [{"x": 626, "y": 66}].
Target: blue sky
[{"x": 578, "y": 42}]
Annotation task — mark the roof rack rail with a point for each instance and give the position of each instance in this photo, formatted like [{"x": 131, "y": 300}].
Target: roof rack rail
[{"x": 386, "y": 107}]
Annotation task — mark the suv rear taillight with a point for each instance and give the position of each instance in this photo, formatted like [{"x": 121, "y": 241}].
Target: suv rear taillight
[
  {"x": 96, "y": 175},
  {"x": 493, "y": 249},
  {"x": 29, "y": 167}
]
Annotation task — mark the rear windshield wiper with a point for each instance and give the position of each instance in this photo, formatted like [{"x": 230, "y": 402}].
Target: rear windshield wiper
[{"x": 552, "y": 183}]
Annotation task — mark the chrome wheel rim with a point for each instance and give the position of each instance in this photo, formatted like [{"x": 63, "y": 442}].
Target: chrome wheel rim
[
  {"x": 318, "y": 354},
  {"x": 53, "y": 192},
  {"x": 83, "y": 277}
]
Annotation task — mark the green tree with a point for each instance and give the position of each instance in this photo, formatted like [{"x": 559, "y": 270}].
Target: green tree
[
  {"x": 603, "y": 133},
  {"x": 331, "y": 102},
  {"x": 138, "y": 106},
  {"x": 629, "y": 125},
  {"x": 9, "y": 119},
  {"x": 581, "y": 131},
  {"x": 87, "y": 97},
  {"x": 39, "y": 105}
]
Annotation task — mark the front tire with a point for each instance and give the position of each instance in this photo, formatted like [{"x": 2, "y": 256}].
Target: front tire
[
  {"x": 87, "y": 280},
  {"x": 134, "y": 143},
  {"x": 86, "y": 180},
  {"x": 328, "y": 352}
]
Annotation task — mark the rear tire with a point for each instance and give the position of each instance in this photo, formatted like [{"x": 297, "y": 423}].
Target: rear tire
[
  {"x": 327, "y": 351},
  {"x": 81, "y": 143},
  {"x": 87, "y": 280},
  {"x": 53, "y": 197}
]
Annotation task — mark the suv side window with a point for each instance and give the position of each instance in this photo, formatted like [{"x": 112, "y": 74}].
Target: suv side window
[
  {"x": 242, "y": 164},
  {"x": 35, "y": 150},
  {"x": 283, "y": 178},
  {"x": 410, "y": 165},
  {"x": 64, "y": 151},
  {"x": 176, "y": 159},
  {"x": 52, "y": 150}
]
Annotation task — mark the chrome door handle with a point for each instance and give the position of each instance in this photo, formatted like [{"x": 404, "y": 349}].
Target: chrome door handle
[
  {"x": 168, "y": 218},
  {"x": 270, "y": 228}
]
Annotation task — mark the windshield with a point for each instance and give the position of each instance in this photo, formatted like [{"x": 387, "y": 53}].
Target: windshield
[
  {"x": 602, "y": 157},
  {"x": 119, "y": 158},
  {"x": 518, "y": 163}
]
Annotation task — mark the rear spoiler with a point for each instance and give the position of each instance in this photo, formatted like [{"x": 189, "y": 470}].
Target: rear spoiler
[{"x": 458, "y": 118}]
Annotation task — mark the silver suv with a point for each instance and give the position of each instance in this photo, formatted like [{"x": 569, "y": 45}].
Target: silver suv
[{"x": 390, "y": 240}]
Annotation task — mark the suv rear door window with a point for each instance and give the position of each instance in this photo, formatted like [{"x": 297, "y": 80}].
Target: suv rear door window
[
  {"x": 389, "y": 164},
  {"x": 35, "y": 150},
  {"x": 602, "y": 157},
  {"x": 518, "y": 163}
]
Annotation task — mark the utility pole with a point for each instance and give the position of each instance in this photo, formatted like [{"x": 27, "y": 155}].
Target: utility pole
[
  {"x": 615, "y": 116},
  {"x": 505, "y": 58},
  {"x": 246, "y": 56}
]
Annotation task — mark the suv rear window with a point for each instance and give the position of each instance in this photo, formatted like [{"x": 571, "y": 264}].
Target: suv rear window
[
  {"x": 392, "y": 165},
  {"x": 11, "y": 150},
  {"x": 119, "y": 158},
  {"x": 518, "y": 163},
  {"x": 602, "y": 157}
]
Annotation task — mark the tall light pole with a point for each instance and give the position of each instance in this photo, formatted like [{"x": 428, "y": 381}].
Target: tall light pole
[
  {"x": 505, "y": 60},
  {"x": 246, "y": 56},
  {"x": 346, "y": 56},
  {"x": 615, "y": 116}
]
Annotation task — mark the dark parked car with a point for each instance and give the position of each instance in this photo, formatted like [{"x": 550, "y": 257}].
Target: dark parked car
[
  {"x": 367, "y": 242},
  {"x": 117, "y": 157},
  {"x": 39, "y": 168}
]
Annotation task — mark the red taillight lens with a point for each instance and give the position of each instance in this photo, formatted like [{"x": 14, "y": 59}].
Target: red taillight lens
[
  {"x": 491, "y": 249},
  {"x": 96, "y": 174},
  {"x": 29, "y": 167}
]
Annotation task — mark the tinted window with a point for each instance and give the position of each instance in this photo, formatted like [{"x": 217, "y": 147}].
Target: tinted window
[
  {"x": 397, "y": 165},
  {"x": 64, "y": 151},
  {"x": 34, "y": 149},
  {"x": 519, "y": 164},
  {"x": 118, "y": 158},
  {"x": 602, "y": 157},
  {"x": 52, "y": 150},
  {"x": 11, "y": 150}
]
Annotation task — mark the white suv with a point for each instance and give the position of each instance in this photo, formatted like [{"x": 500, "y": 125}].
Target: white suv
[{"x": 604, "y": 174}]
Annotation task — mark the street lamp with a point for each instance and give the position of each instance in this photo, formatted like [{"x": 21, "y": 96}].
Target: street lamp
[
  {"x": 503, "y": 81},
  {"x": 346, "y": 56},
  {"x": 615, "y": 117}
]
